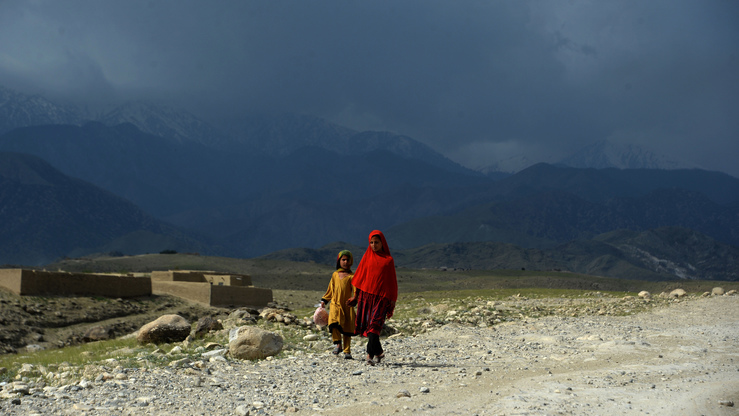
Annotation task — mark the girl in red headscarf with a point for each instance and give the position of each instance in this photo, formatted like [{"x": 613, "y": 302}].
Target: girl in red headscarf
[{"x": 376, "y": 292}]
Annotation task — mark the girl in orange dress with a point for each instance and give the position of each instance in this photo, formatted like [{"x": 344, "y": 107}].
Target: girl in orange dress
[{"x": 341, "y": 315}]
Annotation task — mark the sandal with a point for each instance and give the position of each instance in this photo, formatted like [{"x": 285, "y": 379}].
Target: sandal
[
  {"x": 380, "y": 357},
  {"x": 336, "y": 350},
  {"x": 369, "y": 360},
  {"x": 348, "y": 356}
]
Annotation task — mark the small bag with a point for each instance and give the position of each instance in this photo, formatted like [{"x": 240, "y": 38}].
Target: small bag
[{"x": 320, "y": 316}]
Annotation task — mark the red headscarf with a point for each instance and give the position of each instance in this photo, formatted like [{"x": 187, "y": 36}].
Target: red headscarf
[{"x": 376, "y": 272}]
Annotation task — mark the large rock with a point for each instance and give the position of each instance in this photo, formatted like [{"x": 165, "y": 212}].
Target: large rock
[
  {"x": 205, "y": 325},
  {"x": 717, "y": 291},
  {"x": 167, "y": 328},
  {"x": 97, "y": 333},
  {"x": 644, "y": 294},
  {"x": 252, "y": 343},
  {"x": 677, "y": 293}
]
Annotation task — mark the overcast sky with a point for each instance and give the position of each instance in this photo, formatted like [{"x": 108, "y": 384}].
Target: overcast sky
[{"x": 476, "y": 80}]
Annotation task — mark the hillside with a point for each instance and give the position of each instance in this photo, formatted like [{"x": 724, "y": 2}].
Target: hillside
[
  {"x": 162, "y": 176},
  {"x": 252, "y": 203},
  {"x": 46, "y": 215},
  {"x": 21, "y": 110},
  {"x": 599, "y": 185},
  {"x": 605, "y": 154},
  {"x": 681, "y": 252},
  {"x": 283, "y": 134},
  {"x": 545, "y": 205},
  {"x": 666, "y": 253},
  {"x": 602, "y": 154},
  {"x": 165, "y": 122}
]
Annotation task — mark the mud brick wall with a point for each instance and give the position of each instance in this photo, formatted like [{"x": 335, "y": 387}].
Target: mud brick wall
[
  {"x": 239, "y": 296},
  {"x": 235, "y": 289},
  {"x": 178, "y": 276},
  {"x": 214, "y": 295},
  {"x": 11, "y": 279},
  {"x": 35, "y": 282},
  {"x": 228, "y": 279}
]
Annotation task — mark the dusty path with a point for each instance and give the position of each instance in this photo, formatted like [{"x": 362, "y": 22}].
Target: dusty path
[{"x": 679, "y": 360}]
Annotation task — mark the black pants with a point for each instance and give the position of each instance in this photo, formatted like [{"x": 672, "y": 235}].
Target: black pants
[{"x": 373, "y": 345}]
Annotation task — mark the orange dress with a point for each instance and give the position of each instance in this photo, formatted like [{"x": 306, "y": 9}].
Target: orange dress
[{"x": 339, "y": 290}]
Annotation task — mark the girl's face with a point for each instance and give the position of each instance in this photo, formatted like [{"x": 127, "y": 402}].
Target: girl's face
[
  {"x": 376, "y": 243},
  {"x": 345, "y": 262}
]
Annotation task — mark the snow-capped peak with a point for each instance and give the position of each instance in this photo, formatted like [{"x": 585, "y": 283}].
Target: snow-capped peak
[
  {"x": 605, "y": 154},
  {"x": 164, "y": 122}
]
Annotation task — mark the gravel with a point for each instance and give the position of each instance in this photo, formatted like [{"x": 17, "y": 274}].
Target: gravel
[{"x": 680, "y": 358}]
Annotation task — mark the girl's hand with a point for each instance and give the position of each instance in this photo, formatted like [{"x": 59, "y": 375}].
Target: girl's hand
[{"x": 351, "y": 301}]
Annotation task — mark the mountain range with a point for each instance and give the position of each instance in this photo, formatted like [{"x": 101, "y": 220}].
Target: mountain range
[
  {"x": 268, "y": 183},
  {"x": 282, "y": 134},
  {"x": 602, "y": 154},
  {"x": 46, "y": 215},
  {"x": 20, "y": 110},
  {"x": 605, "y": 154}
]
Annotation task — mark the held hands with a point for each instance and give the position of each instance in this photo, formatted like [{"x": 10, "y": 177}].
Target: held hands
[{"x": 352, "y": 301}]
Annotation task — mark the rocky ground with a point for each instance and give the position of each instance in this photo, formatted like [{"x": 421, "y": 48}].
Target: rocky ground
[
  {"x": 514, "y": 357},
  {"x": 35, "y": 322}
]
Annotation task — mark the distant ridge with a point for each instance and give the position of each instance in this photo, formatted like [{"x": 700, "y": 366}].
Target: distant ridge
[
  {"x": 166, "y": 122},
  {"x": 274, "y": 135},
  {"x": 509, "y": 165},
  {"x": 677, "y": 251},
  {"x": 46, "y": 215},
  {"x": 545, "y": 205},
  {"x": 21, "y": 110},
  {"x": 236, "y": 194},
  {"x": 602, "y": 154},
  {"x": 667, "y": 253},
  {"x": 605, "y": 154},
  {"x": 282, "y": 134}
]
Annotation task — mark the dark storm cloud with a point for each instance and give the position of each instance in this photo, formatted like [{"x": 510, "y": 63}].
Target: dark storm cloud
[{"x": 479, "y": 80}]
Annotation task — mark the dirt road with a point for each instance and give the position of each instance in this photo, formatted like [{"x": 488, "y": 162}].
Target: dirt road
[{"x": 678, "y": 360}]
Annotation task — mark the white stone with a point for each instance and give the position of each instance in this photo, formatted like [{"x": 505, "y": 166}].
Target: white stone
[
  {"x": 255, "y": 343},
  {"x": 219, "y": 352},
  {"x": 678, "y": 293}
]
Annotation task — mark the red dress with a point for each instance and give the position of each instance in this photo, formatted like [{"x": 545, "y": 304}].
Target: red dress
[{"x": 378, "y": 285}]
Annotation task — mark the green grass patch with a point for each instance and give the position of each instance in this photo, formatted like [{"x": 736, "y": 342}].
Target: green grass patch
[{"x": 78, "y": 355}]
